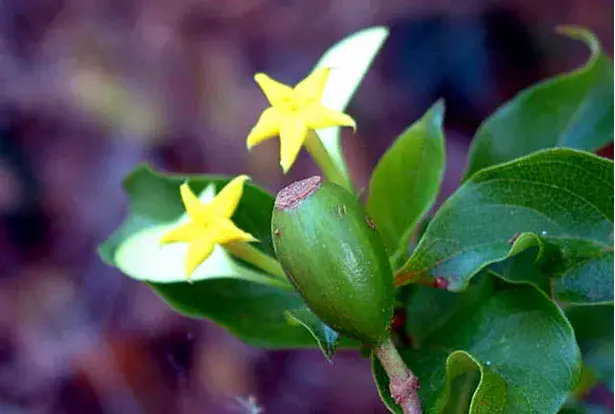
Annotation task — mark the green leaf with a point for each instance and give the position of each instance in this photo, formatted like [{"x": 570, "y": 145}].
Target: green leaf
[
  {"x": 350, "y": 58},
  {"x": 588, "y": 282},
  {"x": 582, "y": 277},
  {"x": 249, "y": 303},
  {"x": 564, "y": 197},
  {"x": 525, "y": 267},
  {"x": 407, "y": 179},
  {"x": 571, "y": 110},
  {"x": 326, "y": 337},
  {"x": 491, "y": 338},
  {"x": 593, "y": 328}
]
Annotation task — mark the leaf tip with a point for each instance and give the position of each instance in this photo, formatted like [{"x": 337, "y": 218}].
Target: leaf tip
[
  {"x": 143, "y": 168},
  {"x": 581, "y": 33},
  {"x": 436, "y": 113}
]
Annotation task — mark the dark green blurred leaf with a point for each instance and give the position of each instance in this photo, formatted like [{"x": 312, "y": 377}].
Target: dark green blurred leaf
[
  {"x": 593, "y": 327},
  {"x": 253, "y": 312},
  {"x": 562, "y": 199},
  {"x": 572, "y": 110},
  {"x": 519, "y": 342},
  {"x": 407, "y": 179},
  {"x": 326, "y": 337},
  {"x": 223, "y": 289},
  {"x": 585, "y": 409}
]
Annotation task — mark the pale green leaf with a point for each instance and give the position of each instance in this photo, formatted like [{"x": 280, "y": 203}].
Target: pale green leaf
[{"x": 349, "y": 59}]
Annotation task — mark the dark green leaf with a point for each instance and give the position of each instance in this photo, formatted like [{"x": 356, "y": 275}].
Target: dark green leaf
[
  {"x": 588, "y": 282},
  {"x": 430, "y": 308},
  {"x": 225, "y": 291},
  {"x": 518, "y": 341},
  {"x": 407, "y": 179},
  {"x": 326, "y": 337},
  {"x": 573, "y": 279},
  {"x": 572, "y": 110},
  {"x": 562, "y": 199},
  {"x": 524, "y": 268}
]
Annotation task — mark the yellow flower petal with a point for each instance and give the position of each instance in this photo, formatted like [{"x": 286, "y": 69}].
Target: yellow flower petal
[
  {"x": 184, "y": 233},
  {"x": 317, "y": 116},
  {"x": 268, "y": 126},
  {"x": 225, "y": 231},
  {"x": 225, "y": 202},
  {"x": 275, "y": 91},
  {"x": 196, "y": 210},
  {"x": 198, "y": 252},
  {"x": 292, "y": 135},
  {"x": 312, "y": 87}
]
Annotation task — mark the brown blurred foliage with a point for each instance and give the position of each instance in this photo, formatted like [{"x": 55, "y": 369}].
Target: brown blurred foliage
[{"x": 91, "y": 88}]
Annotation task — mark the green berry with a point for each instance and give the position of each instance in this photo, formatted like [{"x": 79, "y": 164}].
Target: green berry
[{"x": 332, "y": 253}]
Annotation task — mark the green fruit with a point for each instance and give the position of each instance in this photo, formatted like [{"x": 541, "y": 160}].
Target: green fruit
[{"x": 332, "y": 253}]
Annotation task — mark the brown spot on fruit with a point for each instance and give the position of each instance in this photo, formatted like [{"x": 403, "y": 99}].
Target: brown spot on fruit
[
  {"x": 290, "y": 196},
  {"x": 277, "y": 232},
  {"x": 370, "y": 222},
  {"x": 341, "y": 210}
]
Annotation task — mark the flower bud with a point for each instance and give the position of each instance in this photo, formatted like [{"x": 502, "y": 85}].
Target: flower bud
[{"x": 332, "y": 253}]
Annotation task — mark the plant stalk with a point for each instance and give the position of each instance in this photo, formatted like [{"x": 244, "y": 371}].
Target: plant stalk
[
  {"x": 324, "y": 161},
  {"x": 403, "y": 384},
  {"x": 254, "y": 256}
]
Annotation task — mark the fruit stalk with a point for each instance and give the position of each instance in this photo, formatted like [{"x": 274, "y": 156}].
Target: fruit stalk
[{"x": 403, "y": 384}]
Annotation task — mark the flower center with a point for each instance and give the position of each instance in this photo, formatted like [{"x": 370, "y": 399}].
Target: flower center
[{"x": 292, "y": 104}]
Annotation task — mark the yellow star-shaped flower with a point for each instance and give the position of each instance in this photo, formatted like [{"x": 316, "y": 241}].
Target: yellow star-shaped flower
[
  {"x": 209, "y": 224},
  {"x": 293, "y": 112}
]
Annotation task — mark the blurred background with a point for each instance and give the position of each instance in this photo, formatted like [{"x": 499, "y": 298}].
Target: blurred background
[{"x": 91, "y": 88}]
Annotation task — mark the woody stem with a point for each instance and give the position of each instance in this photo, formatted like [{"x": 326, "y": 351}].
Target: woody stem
[
  {"x": 403, "y": 384},
  {"x": 324, "y": 161}
]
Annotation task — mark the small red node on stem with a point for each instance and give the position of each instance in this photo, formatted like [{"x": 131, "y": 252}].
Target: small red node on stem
[
  {"x": 399, "y": 319},
  {"x": 440, "y": 283}
]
